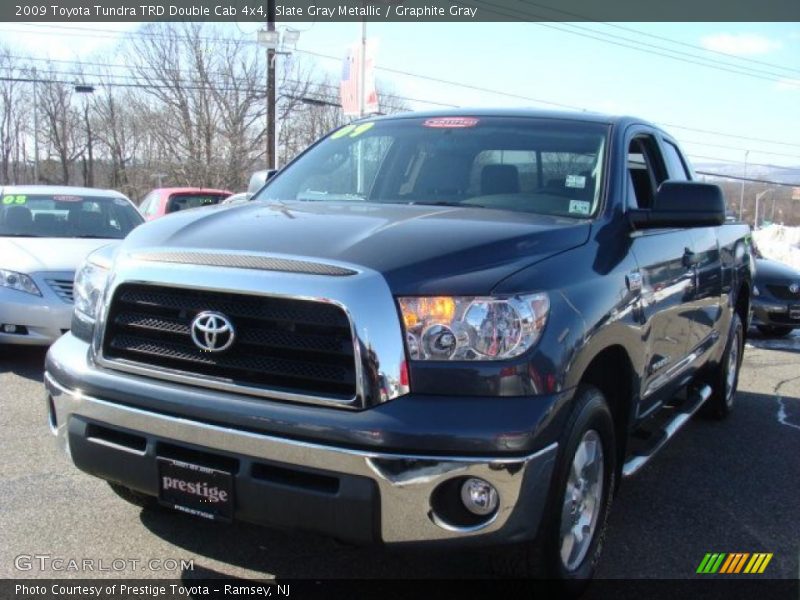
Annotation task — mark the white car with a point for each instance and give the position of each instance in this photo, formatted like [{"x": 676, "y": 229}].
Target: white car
[{"x": 45, "y": 233}]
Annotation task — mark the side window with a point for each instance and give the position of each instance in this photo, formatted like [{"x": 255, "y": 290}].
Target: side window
[
  {"x": 144, "y": 205},
  {"x": 677, "y": 168},
  {"x": 645, "y": 171}
]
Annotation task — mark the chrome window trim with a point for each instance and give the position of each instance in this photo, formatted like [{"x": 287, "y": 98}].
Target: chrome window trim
[{"x": 365, "y": 298}]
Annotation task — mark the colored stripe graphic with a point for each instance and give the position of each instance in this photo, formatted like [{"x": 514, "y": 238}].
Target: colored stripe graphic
[
  {"x": 734, "y": 562},
  {"x": 711, "y": 563},
  {"x": 758, "y": 563}
]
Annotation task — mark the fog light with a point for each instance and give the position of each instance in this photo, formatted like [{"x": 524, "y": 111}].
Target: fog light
[
  {"x": 10, "y": 328},
  {"x": 479, "y": 496}
]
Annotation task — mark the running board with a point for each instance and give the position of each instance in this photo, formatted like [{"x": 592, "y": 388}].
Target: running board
[{"x": 666, "y": 433}]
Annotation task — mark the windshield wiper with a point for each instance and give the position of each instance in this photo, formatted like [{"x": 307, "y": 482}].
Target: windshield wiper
[
  {"x": 90, "y": 236},
  {"x": 20, "y": 235},
  {"x": 448, "y": 203}
]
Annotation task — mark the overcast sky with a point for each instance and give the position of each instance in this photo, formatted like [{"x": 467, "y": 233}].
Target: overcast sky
[{"x": 752, "y": 91}]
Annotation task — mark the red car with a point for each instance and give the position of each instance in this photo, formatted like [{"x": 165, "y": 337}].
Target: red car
[{"x": 163, "y": 201}]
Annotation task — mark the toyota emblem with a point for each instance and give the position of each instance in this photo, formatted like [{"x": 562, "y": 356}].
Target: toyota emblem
[
  {"x": 212, "y": 332},
  {"x": 794, "y": 288}
]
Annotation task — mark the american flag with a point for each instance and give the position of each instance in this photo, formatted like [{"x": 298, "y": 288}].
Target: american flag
[{"x": 351, "y": 74}]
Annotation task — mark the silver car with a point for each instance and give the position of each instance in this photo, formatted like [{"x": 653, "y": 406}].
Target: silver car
[{"x": 45, "y": 233}]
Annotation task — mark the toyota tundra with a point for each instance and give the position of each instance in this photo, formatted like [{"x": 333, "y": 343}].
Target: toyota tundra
[{"x": 445, "y": 327}]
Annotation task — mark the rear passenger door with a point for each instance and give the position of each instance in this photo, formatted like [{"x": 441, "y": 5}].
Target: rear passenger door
[{"x": 665, "y": 277}]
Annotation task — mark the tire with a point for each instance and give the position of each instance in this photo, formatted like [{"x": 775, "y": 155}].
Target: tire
[
  {"x": 774, "y": 330},
  {"x": 558, "y": 554},
  {"x": 132, "y": 496},
  {"x": 724, "y": 378}
]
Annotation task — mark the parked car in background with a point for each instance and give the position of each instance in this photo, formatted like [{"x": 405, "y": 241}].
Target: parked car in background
[
  {"x": 163, "y": 201},
  {"x": 239, "y": 198},
  {"x": 259, "y": 180},
  {"x": 776, "y": 298},
  {"x": 45, "y": 233}
]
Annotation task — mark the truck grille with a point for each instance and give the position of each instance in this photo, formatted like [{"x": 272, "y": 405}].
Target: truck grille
[
  {"x": 296, "y": 346},
  {"x": 782, "y": 292},
  {"x": 62, "y": 288}
]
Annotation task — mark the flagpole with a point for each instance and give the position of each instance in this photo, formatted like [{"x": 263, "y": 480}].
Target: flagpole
[{"x": 362, "y": 90}]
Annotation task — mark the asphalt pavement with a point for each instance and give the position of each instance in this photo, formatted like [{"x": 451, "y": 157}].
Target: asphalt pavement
[{"x": 727, "y": 486}]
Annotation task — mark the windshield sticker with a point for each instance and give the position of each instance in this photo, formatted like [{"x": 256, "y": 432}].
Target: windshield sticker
[
  {"x": 352, "y": 130},
  {"x": 361, "y": 129},
  {"x": 342, "y": 132},
  {"x": 120, "y": 202},
  {"x": 450, "y": 122},
  {"x": 576, "y": 181},
  {"x": 67, "y": 198},
  {"x": 579, "y": 207},
  {"x": 14, "y": 200}
]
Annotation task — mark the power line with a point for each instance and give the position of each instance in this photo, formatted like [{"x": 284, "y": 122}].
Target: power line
[
  {"x": 659, "y": 37},
  {"x": 750, "y": 179},
  {"x": 739, "y": 148},
  {"x": 639, "y": 46},
  {"x": 738, "y": 162},
  {"x": 420, "y": 76}
]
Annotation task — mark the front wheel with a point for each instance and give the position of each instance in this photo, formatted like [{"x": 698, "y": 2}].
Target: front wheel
[{"x": 574, "y": 522}]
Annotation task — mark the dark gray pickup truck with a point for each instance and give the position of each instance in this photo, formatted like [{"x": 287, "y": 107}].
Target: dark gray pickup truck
[{"x": 443, "y": 327}]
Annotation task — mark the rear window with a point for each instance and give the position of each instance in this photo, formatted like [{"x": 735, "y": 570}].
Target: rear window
[
  {"x": 66, "y": 215},
  {"x": 535, "y": 165},
  {"x": 178, "y": 202}
]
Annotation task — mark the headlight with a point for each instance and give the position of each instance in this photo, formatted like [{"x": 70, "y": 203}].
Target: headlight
[
  {"x": 756, "y": 291},
  {"x": 472, "y": 328},
  {"x": 90, "y": 285},
  {"x": 19, "y": 282}
]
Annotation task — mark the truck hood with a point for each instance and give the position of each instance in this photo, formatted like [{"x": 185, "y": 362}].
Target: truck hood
[
  {"x": 30, "y": 255},
  {"x": 418, "y": 249}
]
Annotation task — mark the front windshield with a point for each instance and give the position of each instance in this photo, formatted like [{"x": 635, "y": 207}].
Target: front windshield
[
  {"x": 545, "y": 166},
  {"x": 66, "y": 216}
]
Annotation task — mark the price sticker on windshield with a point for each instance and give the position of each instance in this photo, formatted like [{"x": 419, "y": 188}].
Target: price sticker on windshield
[
  {"x": 14, "y": 200},
  {"x": 450, "y": 122}
]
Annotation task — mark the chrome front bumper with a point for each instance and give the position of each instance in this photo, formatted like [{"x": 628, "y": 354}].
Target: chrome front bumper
[{"x": 405, "y": 482}]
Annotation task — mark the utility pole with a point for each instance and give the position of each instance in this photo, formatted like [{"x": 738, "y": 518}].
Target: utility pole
[
  {"x": 271, "y": 162},
  {"x": 741, "y": 194},
  {"x": 35, "y": 131}
]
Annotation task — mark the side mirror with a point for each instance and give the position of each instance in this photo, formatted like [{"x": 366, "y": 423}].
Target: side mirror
[
  {"x": 682, "y": 204},
  {"x": 271, "y": 173}
]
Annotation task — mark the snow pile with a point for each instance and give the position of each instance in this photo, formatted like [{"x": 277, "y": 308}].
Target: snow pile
[{"x": 780, "y": 243}]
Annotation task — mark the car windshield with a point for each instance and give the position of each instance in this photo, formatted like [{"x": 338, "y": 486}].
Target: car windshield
[
  {"x": 537, "y": 165},
  {"x": 66, "y": 216},
  {"x": 183, "y": 201}
]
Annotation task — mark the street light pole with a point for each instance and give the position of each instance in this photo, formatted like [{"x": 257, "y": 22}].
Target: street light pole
[
  {"x": 86, "y": 90},
  {"x": 35, "y": 130},
  {"x": 741, "y": 195}
]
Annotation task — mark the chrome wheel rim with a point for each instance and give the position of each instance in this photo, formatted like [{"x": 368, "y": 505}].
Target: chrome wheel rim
[
  {"x": 730, "y": 375},
  {"x": 583, "y": 498}
]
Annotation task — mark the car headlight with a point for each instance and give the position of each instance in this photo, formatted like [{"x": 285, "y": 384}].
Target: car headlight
[
  {"x": 18, "y": 281},
  {"x": 90, "y": 285},
  {"x": 756, "y": 291},
  {"x": 472, "y": 327}
]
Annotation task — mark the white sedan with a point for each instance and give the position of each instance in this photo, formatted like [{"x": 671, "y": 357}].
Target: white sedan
[{"x": 45, "y": 233}]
